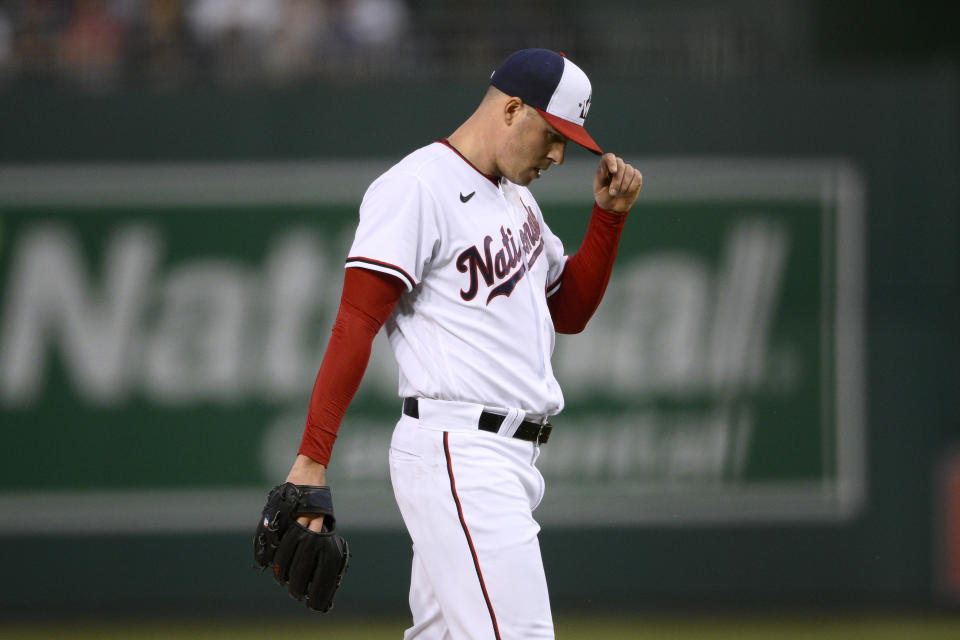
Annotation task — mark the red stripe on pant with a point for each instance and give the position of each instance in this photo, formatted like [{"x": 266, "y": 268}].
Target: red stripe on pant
[{"x": 466, "y": 532}]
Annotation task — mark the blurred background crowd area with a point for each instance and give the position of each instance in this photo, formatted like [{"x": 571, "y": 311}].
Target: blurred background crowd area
[{"x": 105, "y": 45}]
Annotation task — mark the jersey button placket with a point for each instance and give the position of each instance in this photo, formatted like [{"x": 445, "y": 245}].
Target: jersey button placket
[{"x": 534, "y": 303}]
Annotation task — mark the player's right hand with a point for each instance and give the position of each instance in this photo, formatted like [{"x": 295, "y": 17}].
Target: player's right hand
[{"x": 616, "y": 184}]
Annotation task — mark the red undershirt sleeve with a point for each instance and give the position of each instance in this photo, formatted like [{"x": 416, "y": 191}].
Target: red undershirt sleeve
[
  {"x": 586, "y": 274},
  {"x": 368, "y": 300}
]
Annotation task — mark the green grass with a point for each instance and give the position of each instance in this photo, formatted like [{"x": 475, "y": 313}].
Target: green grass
[{"x": 607, "y": 627}]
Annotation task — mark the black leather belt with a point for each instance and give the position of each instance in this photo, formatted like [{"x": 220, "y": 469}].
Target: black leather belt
[{"x": 529, "y": 431}]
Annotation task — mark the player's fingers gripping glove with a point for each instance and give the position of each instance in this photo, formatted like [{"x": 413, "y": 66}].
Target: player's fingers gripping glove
[{"x": 311, "y": 562}]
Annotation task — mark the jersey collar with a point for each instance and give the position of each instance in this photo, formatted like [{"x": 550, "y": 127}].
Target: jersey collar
[{"x": 495, "y": 180}]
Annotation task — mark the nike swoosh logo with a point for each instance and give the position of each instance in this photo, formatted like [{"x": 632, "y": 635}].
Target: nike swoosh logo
[{"x": 466, "y": 198}]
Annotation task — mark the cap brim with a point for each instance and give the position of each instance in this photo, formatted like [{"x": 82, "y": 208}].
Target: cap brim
[{"x": 572, "y": 131}]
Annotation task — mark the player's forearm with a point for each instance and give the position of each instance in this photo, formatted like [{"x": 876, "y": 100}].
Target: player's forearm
[
  {"x": 341, "y": 371},
  {"x": 587, "y": 273},
  {"x": 307, "y": 471},
  {"x": 367, "y": 301}
]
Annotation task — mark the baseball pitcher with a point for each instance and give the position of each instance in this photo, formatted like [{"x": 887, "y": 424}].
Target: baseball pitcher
[{"x": 454, "y": 256}]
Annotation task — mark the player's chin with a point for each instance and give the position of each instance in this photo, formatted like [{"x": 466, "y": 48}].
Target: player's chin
[{"x": 528, "y": 177}]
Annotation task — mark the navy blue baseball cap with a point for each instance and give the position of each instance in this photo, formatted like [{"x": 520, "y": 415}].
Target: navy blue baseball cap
[{"x": 554, "y": 86}]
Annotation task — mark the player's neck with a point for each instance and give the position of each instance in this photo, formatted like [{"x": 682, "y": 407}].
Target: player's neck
[{"x": 474, "y": 144}]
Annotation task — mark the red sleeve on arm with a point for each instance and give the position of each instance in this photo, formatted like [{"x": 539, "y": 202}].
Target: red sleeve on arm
[
  {"x": 367, "y": 301},
  {"x": 586, "y": 274}
]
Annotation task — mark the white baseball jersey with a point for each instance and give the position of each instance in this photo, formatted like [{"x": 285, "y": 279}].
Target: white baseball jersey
[{"x": 478, "y": 262}]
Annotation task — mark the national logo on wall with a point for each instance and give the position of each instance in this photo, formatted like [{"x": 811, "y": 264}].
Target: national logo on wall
[{"x": 179, "y": 315}]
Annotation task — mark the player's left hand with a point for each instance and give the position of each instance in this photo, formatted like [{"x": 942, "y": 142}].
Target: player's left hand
[
  {"x": 311, "y": 563},
  {"x": 616, "y": 184}
]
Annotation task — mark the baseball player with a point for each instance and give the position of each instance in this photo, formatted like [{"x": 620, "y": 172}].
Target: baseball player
[{"x": 453, "y": 255}]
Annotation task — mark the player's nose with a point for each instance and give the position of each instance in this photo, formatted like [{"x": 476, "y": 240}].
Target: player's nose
[{"x": 557, "y": 151}]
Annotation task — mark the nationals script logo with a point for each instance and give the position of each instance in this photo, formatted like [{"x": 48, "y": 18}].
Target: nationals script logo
[{"x": 499, "y": 267}]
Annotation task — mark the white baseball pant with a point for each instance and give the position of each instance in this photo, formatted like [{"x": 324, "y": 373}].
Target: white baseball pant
[{"x": 467, "y": 497}]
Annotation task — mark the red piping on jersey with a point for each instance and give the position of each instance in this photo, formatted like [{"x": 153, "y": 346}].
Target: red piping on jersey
[
  {"x": 466, "y": 532},
  {"x": 393, "y": 267},
  {"x": 559, "y": 279},
  {"x": 495, "y": 180}
]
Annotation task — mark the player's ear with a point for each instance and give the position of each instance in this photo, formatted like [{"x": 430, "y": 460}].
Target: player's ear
[{"x": 512, "y": 110}]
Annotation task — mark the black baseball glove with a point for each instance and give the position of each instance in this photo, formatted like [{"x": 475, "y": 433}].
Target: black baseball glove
[{"x": 311, "y": 562}]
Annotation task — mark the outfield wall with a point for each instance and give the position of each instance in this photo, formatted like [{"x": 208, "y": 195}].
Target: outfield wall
[{"x": 756, "y": 415}]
